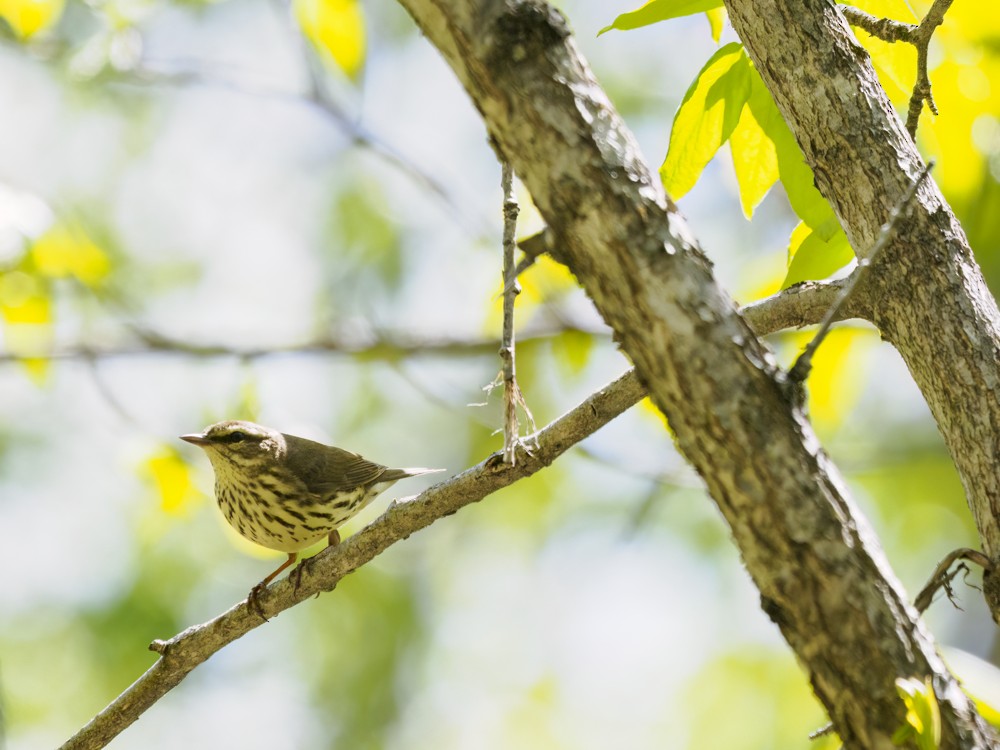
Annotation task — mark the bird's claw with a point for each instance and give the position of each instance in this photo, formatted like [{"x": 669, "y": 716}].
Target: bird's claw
[
  {"x": 296, "y": 576},
  {"x": 253, "y": 601}
]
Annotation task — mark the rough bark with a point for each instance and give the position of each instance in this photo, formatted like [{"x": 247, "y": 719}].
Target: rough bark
[
  {"x": 928, "y": 296},
  {"x": 821, "y": 576}
]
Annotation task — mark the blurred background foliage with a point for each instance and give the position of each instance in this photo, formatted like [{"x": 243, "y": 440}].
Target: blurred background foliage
[{"x": 291, "y": 214}]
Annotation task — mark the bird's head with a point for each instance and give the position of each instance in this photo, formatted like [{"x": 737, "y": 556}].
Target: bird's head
[{"x": 240, "y": 443}]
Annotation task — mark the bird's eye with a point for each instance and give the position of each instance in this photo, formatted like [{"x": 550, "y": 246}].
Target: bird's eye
[{"x": 235, "y": 437}]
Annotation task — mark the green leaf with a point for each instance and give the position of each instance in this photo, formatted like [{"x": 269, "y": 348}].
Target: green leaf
[
  {"x": 923, "y": 715},
  {"x": 796, "y": 176},
  {"x": 813, "y": 257},
  {"x": 755, "y": 158},
  {"x": 716, "y": 19},
  {"x": 337, "y": 29},
  {"x": 708, "y": 115},
  {"x": 572, "y": 351},
  {"x": 659, "y": 10}
]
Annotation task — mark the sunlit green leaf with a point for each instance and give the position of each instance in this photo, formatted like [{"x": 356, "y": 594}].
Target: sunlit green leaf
[
  {"x": 716, "y": 19},
  {"x": 923, "y": 715},
  {"x": 796, "y": 176},
  {"x": 708, "y": 115},
  {"x": 755, "y": 158},
  {"x": 979, "y": 678},
  {"x": 66, "y": 250},
  {"x": 659, "y": 10},
  {"x": 24, "y": 299},
  {"x": 171, "y": 476},
  {"x": 838, "y": 375},
  {"x": 572, "y": 350},
  {"x": 813, "y": 257},
  {"x": 336, "y": 28},
  {"x": 29, "y": 17}
]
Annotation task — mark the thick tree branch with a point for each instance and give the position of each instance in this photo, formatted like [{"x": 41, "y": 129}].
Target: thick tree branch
[
  {"x": 822, "y": 578},
  {"x": 928, "y": 294},
  {"x": 187, "y": 650}
]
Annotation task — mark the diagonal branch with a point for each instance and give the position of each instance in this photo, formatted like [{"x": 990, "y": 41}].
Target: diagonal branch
[{"x": 185, "y": 651}]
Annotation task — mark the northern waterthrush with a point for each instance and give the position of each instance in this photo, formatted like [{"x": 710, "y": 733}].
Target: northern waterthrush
[{"x": 285, "y": 492}]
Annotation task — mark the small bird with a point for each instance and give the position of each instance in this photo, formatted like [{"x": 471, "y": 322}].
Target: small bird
[{"x": 285, "y": 492}]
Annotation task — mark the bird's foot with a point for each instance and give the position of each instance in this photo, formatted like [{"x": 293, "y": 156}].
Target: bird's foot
[
  {"x": 296, "y": 575},
  {"x": 253, "y": 600}
]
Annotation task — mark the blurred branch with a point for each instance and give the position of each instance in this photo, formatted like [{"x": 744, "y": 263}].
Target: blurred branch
[
  {"x": 387, "y": 347},
  {"x": 185, "y": 651},
  {"x": 796, "y": 307},
  {"x": 316, "y": 97},
  {"x": 919, "y": 36}
]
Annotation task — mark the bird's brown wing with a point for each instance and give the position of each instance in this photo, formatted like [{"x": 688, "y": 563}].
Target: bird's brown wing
[{"x": 326, "y": 470}]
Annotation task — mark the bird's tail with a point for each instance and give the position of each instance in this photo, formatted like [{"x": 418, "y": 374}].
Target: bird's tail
[{"x": 393, "y": 475}]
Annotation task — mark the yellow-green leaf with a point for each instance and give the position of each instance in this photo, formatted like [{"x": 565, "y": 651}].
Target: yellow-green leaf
[
  {"x": 572, "y": 350},
  {"x": 29, "y": 17},
  {"x": 838, "y": 374},
  {"x": 24, "y": 299},
  {"x": 923, "y": 715},
  {"x": 708, "y": 115},
  {"x": 337, "y": 29},
  {"x": 37, "y": 368},
  {"x": 755, "y": 157},
  {"x": 796, "y": 176},
  {"x": 66, "y": 250},
  {"x": 716, "y": 20},
  {"x": 171, "y": 477},
  {"x": 655, "y": 11},
  {"x": 26, "y": 312},
  {"x": 812, "y": 257}
]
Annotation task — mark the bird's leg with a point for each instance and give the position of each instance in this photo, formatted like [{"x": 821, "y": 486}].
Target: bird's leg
[
  {"x": 253, "y": 600},
  {"x": 333, "y": 539}
]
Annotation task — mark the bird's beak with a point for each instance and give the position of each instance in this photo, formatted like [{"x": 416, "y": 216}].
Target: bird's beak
[{"x": 196, "y": 438}]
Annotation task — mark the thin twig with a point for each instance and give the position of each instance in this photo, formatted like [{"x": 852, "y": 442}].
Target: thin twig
[
  {"x": 943, "y": 576},
  {"x": 886, "y": 29},
  {"x": 533, "y": 248},
  {"x": 920, "y": 37},
  {"x": 800, "y": 370},
  {"x": 150, "y": 75},
  {"x": 512, "y": 396}
]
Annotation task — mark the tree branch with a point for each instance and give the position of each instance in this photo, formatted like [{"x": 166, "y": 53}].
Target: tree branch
[
  {"x": 920, "y": 37},
  {"x": 822, "y": 578},
  {"x": 185, "y": 651},
  {"x": 381, "y": 346},
  {"x": 928, "y": 295}
]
